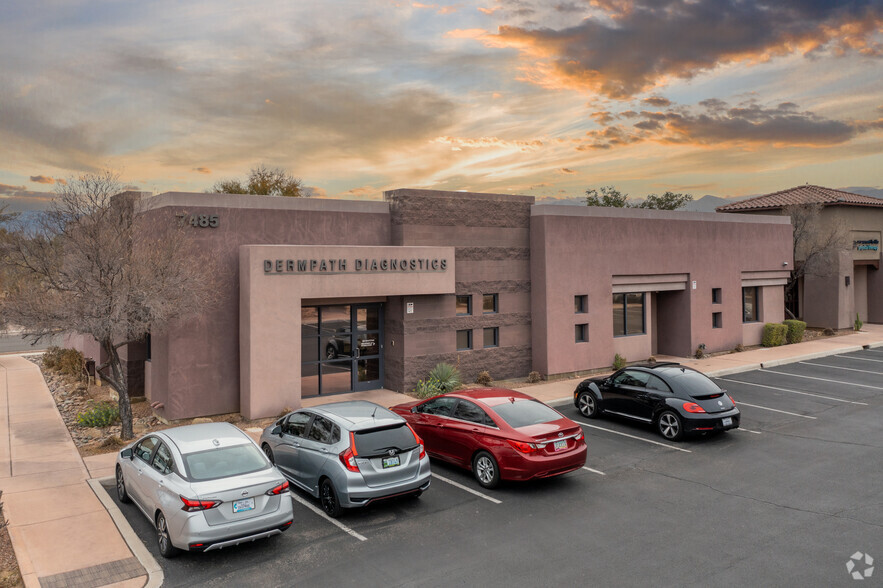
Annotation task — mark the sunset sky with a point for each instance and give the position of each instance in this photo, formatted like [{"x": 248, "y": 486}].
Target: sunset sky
[{"x": 546, "y": 98}]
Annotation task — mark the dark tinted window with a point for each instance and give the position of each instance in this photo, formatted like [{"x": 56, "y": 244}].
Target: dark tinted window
[
  {"x": 322, "y": 430},
  {"x": 694, "y": 384},
  {"x": 162, "y": 461},
  {"x": 379, "y": 441},
  {"x": 468, "y": 411},
  {"x": 464, "y": 340},
  {"x": 440, "y": 406},
  {"x": 296, "y": 424},
  {"x": 632, "y": 378},
  {"x": 655, "y": 383},
  {"x": 522, "y": 413},
  {"x": 145, "y": 448},
  {"x": 225, "y": 462}
]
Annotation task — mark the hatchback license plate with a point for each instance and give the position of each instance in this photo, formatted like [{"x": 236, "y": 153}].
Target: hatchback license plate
[
  {"x": 559, "y": 445},
  {"x": 727, "y": 422},
  {"x": 243, "y": 505},
  {"x": 391, "y": 462}
]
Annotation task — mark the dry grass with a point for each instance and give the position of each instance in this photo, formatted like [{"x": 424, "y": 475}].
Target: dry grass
[{"x": 9, "y": 574}]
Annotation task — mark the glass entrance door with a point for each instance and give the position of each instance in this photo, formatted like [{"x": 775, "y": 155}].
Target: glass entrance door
[{"x": 341, "y": 348}]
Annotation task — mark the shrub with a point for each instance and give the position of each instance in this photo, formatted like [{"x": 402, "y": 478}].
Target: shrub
[
  {"x": 739, "y": 348},
  {"x": 447, "y": 376},
  {"x": 700, "y": 351},
  {"x": 828, "y": 332},
  {"x": 795, "y": 330},
  {"x": 534, "y": 377},
  {"x": 858, "y": 323},
  {"x": 484, "y": 378},
  {"x": 51, "y": 357},
  {"x": 774, "y": 334},
  {"x": 428, "y": 388},
  {"x": 102, "y": 414},
  {"x": 67, "y": 361},
  {"x": 618, "y": 362}
]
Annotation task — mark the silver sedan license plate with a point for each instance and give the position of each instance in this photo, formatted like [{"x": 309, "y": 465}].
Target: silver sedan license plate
[
  {"x": 391, "y": 462},
  {"x": 727, "y": 422},
  {"x": 243, "y": 505}
]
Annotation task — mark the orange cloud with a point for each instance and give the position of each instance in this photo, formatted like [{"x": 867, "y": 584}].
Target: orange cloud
[
  {"x": 202, "y": 170},
  {"x": 565, "y": 170},
  {"x": 42, "y": 180},
  {"x": 465, "y": 34},
  {"x": 458, "y": 143}
]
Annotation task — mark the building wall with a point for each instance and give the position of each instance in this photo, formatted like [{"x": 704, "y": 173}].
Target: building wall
[
  {"x": 491, "y": 236},
  {"x": 578, "y": 251}
]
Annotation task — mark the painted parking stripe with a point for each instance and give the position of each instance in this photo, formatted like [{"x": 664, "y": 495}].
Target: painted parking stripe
[
  {"x": 777, "y": 410},
  {"x": 633, "y": 437},
  {"x": 747, "y": 430},
  {"x": 467, "y": 488},
  {"x": 836, "y": 367},
  {"x": 334, "y": 522},
  {"x": 794, "y": 391},
  {"x": 860, "y": 358},
  {"x": 600, "y": 473},
  {"x": 824, "y": 379}
]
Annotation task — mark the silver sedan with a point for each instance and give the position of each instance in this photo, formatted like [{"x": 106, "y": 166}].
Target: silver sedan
[{"x": 204, "y": 487}]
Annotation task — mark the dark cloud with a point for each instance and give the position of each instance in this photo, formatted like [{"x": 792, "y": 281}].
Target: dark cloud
[
  {"x": 565, "y": 170},
  {"x": 657, "y": 101},
  {"x": 649, "y": 40},
  {"x": 603, "y": 117},
  {"x": 42, "y": 180}
]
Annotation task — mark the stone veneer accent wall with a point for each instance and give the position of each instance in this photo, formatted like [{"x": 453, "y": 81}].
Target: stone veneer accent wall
[{"x": 491, "y": 236}]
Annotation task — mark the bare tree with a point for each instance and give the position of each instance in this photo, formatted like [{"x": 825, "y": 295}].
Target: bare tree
[
  {"x": 92, "y": 266},
  {"x": 816, "y": 243},
  {"x": 264, "y": 181}
]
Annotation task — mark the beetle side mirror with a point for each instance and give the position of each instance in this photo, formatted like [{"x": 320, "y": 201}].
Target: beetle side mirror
[
  {"x": 127, "y": 453},
  {"x": 277, "y": 430}
]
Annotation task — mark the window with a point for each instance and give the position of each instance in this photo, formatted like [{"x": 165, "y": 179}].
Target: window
[
  {"x": 464, "y": 305},
  {"x": 632, "y": 378},
  {"x": 144, "y": 449},
  {"x": 377, "y": 442},
  {"x": 628, "y": 314},
  {"x": 749, "y": 305},
  {"x": 490, "y": 303},
  {"x": 440, "y": 406},
  {"x": 322, "y": 430},
  {"x": 492, "y": 337},
  {"x": 162, "y": 460},
  {"x": 467, "y": 411},
  {"x": 225, "y": 462},
  {"x": 523, "y": 413},
  {"x": 297, "y": 424},
  {"x": 715, "y": 295},
  {"x": 464, "y": 340},
  {"x": 655, "y": 383},
  {"x": 581, "y": 333},
  {"x": 717, "y": 320},
  {"x": 581, "y": 304}
]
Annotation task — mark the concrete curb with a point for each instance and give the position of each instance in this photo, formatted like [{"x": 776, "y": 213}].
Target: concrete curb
[
  {"x": 155, "y": 574},
  {"x": 748, "y": 367}
]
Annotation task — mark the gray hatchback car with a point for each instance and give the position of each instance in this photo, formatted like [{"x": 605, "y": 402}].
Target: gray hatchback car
[{"x": 348, "y": 454}]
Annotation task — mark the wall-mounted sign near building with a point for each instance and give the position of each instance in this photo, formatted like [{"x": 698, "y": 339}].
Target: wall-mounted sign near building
[
  {"x": 354, "y": 266},
  {"x": 410, "y": 308},
  {"x": 865, "y": 245}
]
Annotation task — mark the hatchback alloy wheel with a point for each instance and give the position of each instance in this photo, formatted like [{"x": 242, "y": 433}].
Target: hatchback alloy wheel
[
  {"x": 670, "y": 425},
  {"x": 328, "y": 497}
]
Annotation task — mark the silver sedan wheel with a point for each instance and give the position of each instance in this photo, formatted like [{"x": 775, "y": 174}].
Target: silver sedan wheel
[
  {"x": 484, "y": 469},
  {"x": 669, "y": 425}
]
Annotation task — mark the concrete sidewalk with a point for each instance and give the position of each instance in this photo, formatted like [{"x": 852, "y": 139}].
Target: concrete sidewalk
[
  {"x": 61, "y": 532},
  {"x": 721, "y": 365}
]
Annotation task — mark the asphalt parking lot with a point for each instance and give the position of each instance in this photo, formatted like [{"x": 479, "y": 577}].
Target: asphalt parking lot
[{"x": 785, "y": 500}]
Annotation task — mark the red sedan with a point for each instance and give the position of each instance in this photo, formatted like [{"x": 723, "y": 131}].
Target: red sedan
[{"x": 498, "y": 434}]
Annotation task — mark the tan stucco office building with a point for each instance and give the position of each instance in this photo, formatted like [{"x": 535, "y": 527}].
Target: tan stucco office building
[{"x": 327, "y": 296}]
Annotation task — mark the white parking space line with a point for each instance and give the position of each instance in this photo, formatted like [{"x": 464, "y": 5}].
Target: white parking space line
[
  {"x": 633, "y": 437},
  {"x": 860, "y": 358},
  {"x": 824, "y": 379},
  {"x": 795, "y": 391},
  {"x": 874, "y": 350},
  {"x": 600, "y": 473},
  {"x": 777, "y": 410},
  {"x": 334, "y": 522},
  {"x": 845, "y": 368},
  {"x": 467, "y": 488},
  {"x": 747, "y": 430}
]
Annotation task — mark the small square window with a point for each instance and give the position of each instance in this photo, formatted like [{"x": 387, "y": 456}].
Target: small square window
[
  {"x": 492, "y": 337},
  {"x": 581, "y": 333},
  {"x": 464, "y": 305},
  {"x": 464, "y": 340},
  {"x": 490, "y": 303},
  {"x": 581, "y": 304},
  {"x": 715, "y": 295},
  {"x": 717, "y": 320}
]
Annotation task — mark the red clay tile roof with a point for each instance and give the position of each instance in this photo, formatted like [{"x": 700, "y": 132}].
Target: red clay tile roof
[{"x": 802, "y": 195}]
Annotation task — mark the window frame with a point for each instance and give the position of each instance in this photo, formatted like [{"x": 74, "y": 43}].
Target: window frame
[
  {"x": 581, "y": 333},
  {"x": 717, "y": 320},
  {"x": 495, "y": 297},
  {"x": 625, "y": 310},
  {"x": 717, "y": 296},
  {"x": 468, "y": 332},
  {"x": 581, "y": 304},
  {"x": 468, "y": 298},
  {"x": 756, "y": 309},
  {"x": 496, "y": 337}
]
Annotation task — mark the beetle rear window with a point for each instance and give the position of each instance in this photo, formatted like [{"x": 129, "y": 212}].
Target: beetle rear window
[
  {"x": 225, "y": 462},
  {"x": 523, "y": 413}
]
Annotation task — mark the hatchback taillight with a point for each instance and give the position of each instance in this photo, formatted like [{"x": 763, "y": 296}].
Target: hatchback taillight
[
  {"x": 280, "y": 489},
  {"x": 419, "y": 441},
  {"x": 693, "y": 407},
  {"x": 348, "y": 456},
  {"x": 191, "y": 505}
]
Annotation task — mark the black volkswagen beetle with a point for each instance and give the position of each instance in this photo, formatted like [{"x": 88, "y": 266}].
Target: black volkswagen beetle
[{"x": 675, "y": 399}]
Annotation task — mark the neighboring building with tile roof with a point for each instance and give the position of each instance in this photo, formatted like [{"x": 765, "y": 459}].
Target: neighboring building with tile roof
[
  {"x": 806, "y": 194},
  {"x": 855, "y": 284}
]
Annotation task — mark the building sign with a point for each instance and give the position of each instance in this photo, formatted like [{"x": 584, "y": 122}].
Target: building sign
[
  {"x": 354, "y": 266},
  {"x": 866, "y": 245}
]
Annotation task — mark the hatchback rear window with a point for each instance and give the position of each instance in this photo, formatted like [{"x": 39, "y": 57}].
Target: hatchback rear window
[
  {"x": 695, "y": 384},
  {"x": 379, "y": 441},
  {"x": 225, "y": 462},
  {"x": 523, "y": 413}
]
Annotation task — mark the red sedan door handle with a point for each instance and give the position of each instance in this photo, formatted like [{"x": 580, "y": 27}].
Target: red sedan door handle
[{"x": 475, "y": 429}]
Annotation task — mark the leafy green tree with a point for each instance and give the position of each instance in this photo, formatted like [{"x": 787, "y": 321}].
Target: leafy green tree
[
  {"x": 609, "y": 196},
  {"x": 668, "y": 201},
  {"x": 262, "y": 181}
]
